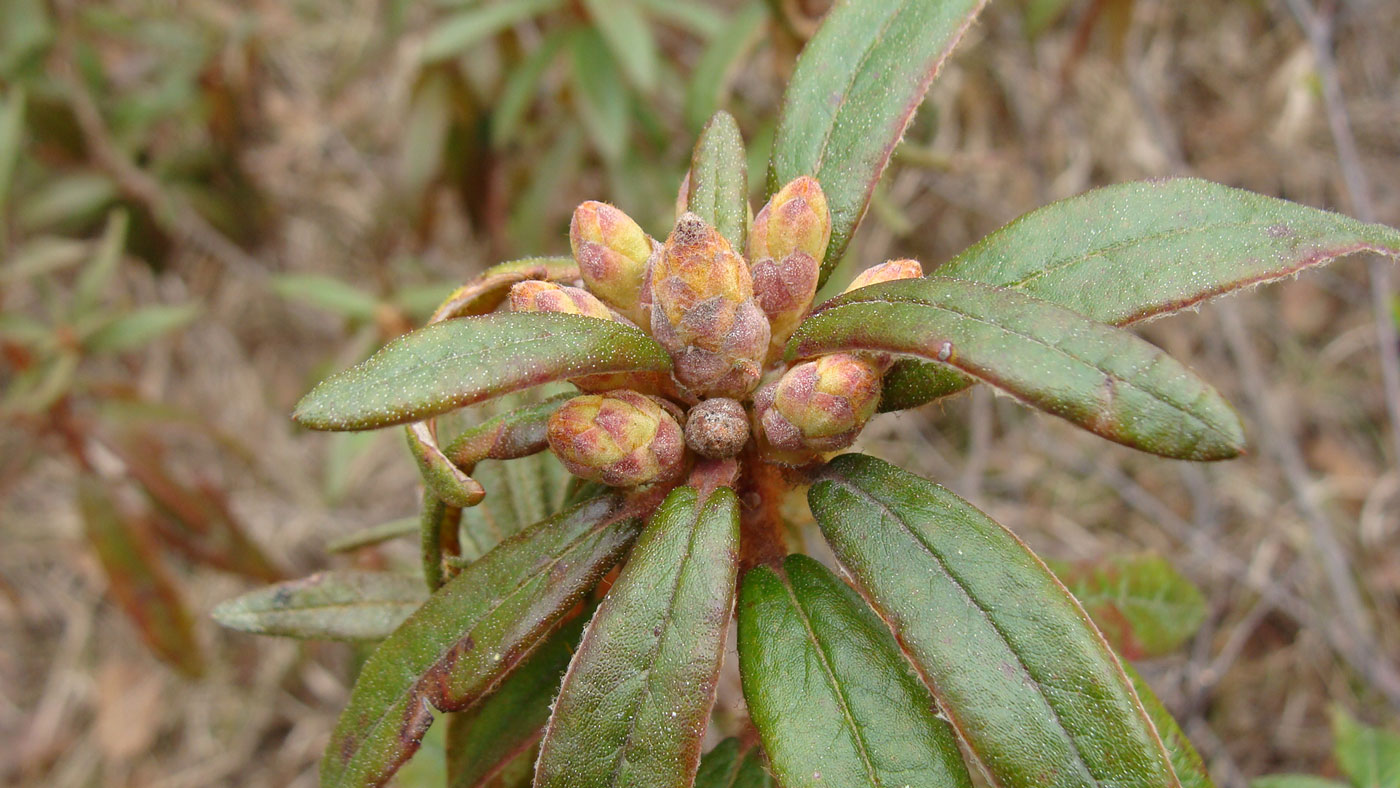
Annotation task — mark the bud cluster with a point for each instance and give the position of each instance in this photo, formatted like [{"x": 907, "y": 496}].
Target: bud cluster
[{"x": 724, "y": 315}]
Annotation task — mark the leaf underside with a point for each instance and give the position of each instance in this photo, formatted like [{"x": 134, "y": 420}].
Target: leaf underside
[
  {"x": 833, "y": 699},
  {"x": 1134, "y": 251},
  {"x": 472, "y": 632},
  {"x": 1017, "y": 667},
  {"x": 457, "y": 362},
  {"x": 636, "y": 700},
  {"x": 1100, "y": 378},
  {"x": 853, "y": 92},
  {"x": 345, "y": 604}
]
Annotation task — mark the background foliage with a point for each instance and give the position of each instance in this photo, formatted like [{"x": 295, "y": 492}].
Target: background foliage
[{"x": 200, "y": 203}]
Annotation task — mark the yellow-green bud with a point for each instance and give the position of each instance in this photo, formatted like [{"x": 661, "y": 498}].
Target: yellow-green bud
[
  {"x": 621, "y": 438},
  {"x": 703, "y": 312},
  {"x": 887, "y": 271},
  {"x": 612, "y": 253},
  {"x": 537, "y": 296},
  {"x": 786, "y": 245},
  {"x": 818, "y": 406}
]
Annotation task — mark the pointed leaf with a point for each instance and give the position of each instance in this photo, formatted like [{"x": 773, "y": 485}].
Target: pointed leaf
[
  {"x": 137, "y": 329},
  {"x": 326, "y": 292},
  {"x": 637, "y": 696},
  {"x": 485, "y": 740},
  {"x": 1186, "y": 762},
  {"x": 719, "y": 181},
  {"x": 475, "y": 630},
  {"x": 628, "y": 38},
  {"x": 732, "y": 765},
  {"x": 1017, "y": 668},
  {"x": 87, "y": 291},
  {"x": 1143, "y": 606},
  {"x": 521, "y": 85},
  {"x": 721, "y": 61},
  {"x": 1133, "y": 251},
  {"x": 138, "y": 579},
  {"x": 339, "y": 605},
  {"x": 1103, "y": 379},
  {"x": 834, "y": 700},
  {"x": 457, "y": 362},
  {"x": 1369, "y": 756},
  {"x": 468, "y": 27},
  {"x": 853, "y": 92},
  {"x": 599, "y": 95}
]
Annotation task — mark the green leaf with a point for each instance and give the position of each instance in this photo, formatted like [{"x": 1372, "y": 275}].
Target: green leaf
[
  {"x": 720, "y": 63},
  {"x": 339, "y": 605},
  {"x": 834, "y": 700},
  {"x": 326, "y": 292},
  {"x": 853, "y": 92},
  {"x": 473, "y": 25},
  {"x": 1018, "y": 669},
  {"x": 1142, "y": 605},
  {"x": 719, "y": 181},
  {"x": 627, "y": 35},
  {"x": 140, "y": 328},
  {"x": 1103, "y": 379},
  {"x": 520, "y": 88},
  {"x": 448, "y": 482},
  {"x": 1369, "y": 756},
  {"x": 138, "y": 580},
  {"x": 599, "y": 96},
  {"x": 511, "y": 433},
  {"x": 11, "y": 136},
  {"x": 699, "y": 19},
  {"x": 1133, "y": 251},
  {"x": 637, "y": 696},
  {"x": 98, "y": 273},
  {"x": 732, "y": 765},
  {"x": 67, "y": 201},
  {"x": 41, "y": 256},
  {"x": 1295, "y": 781},
  {"x": 1186, "y": 762},
  {"x": 488, "y": 738},
  {"x": 454, "y": 363},
  {"x": 475, "y": 630}
]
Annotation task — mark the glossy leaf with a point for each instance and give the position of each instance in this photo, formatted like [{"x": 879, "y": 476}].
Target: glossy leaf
[
  {"x": 1142, "y": 605},
  {"x": 475, "y": 630},
  {"x": 720, "y": 63},
  {"x": 1133, "y": 251},
  {"x": 135, "y": 330},
  {"x": 457, "y": 362},
  {"x": 719, "y": 181},
  {"x": 1103, "y": 379},
  {"x": 1186, "y": 762},
  {"x": 853, "y": 92},
  {"x": 834, "y": 700},
  {"x": 473, "y": 25},
  {"x": 1369, "y": 756},
  {"x": 732, "y": 765},
  {"x": 326, "y": 292},
  {"x": 138, "y": 580},
  {"x": 599, "y": 96},
  {"x": 1018, "y": 669},
  {"x": 485, "y": 740},
  {"x": 344, "y": 604},
  {"x": 489, "y": 290},
  {"x": 628, "y": 37},
  {"x": 636, "y": 699}
]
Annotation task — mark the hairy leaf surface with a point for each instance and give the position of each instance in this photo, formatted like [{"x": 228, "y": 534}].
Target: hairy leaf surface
[
  {"x": 719, "y": 180},
  {"x": 834, "y": 700},
  {"x": 636, "y": 699},
  {"x": 1015, "y": 663},
  {"x": 1103, "y": 379}
]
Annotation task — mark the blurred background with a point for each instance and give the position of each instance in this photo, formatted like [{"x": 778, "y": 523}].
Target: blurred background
[{"x": 207, "y": 205}]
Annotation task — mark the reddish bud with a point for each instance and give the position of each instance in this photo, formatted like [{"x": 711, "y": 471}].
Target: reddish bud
[
  {"x": 786, "y": 245},
  {"x": 703, "y": 312},
  {"x": 613, "y": 253},
  {"x": 621, "y": 438},
  {"x": 538, "y": 296},
  {"x": 885, "y": 272},
  {"x": 818, "y": 406}
]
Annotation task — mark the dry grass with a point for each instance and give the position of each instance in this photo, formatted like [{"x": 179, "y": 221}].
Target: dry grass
[{"x": 1219, "y": 89}]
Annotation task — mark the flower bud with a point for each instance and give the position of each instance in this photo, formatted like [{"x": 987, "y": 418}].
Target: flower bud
[
  {"x": 537, "y": 296},
  {"x": 786, "y": 245},
  {"x": 703, "y": 312},
  {"x": 818, "y": 406},
  {"x": 621, "y": 438},
  {"x": 612, "y": 253},
  {"x": 885, "y": 272}
]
